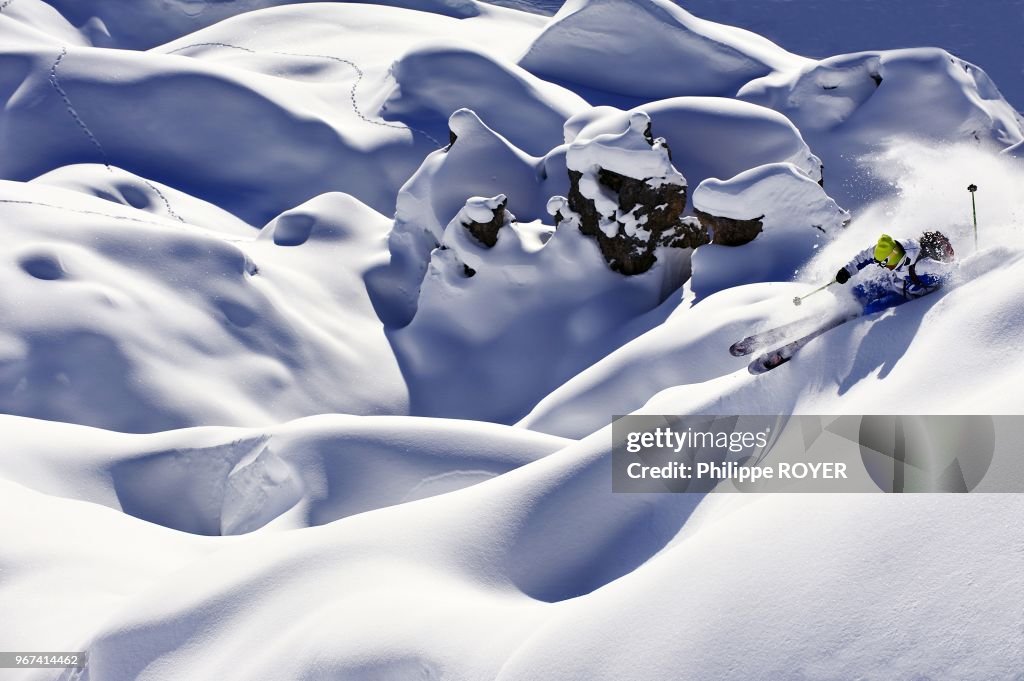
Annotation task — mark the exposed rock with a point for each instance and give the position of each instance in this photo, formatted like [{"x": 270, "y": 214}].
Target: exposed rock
[
  {"x": 474, "y": 231},
  {"x": 486, "y": 232},
  {"x": 728, "y": 231},
  {"x": 658, "y": 209},
  {"x": 687, "y": 233},
  {"x": 649, "y": 136},
  {"x": 626, "y": 195}
]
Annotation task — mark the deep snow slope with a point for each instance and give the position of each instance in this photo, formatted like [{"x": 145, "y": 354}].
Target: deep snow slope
[
  {"x": 532, "y": 574},
  {"x": 121, "y": 318},
  {"x": 313, "y": 317}
]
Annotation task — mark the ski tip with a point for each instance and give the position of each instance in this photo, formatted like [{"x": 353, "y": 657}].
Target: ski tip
[
  {"x": 741, "y": 348},
  {"x": 764, "y": 364}
]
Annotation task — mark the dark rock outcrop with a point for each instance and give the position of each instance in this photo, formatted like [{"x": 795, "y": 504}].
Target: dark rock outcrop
[
  {"x": 729, "y": 231},
  {"x": 688, "y": 233},
  {"x": 659, "y": 208},
  {"x": 487, "y": 232},
  {"x": 625, "y": 194}
]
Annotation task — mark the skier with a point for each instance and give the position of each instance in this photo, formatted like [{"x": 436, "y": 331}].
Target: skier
[{"x": 909, "y": 269}]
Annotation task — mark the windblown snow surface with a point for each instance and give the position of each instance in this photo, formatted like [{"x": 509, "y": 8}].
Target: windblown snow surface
[{"x": 272, "y": 411}]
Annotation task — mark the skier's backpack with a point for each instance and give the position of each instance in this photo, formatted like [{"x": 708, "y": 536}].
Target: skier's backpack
[{"x": 936, "y": 245}]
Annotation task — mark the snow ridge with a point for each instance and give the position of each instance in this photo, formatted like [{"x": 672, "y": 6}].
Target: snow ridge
[
  {"x": 360, "y": 75},
  {"x": 70, "y": 107},
  {"x": 55, "y": 81}
]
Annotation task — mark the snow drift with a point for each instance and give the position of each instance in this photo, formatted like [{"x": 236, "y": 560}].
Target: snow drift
[
  {"x": 650, "y": 49},
  {"x": 794, "y": 213},
  {"x": 211, "y": 328}
]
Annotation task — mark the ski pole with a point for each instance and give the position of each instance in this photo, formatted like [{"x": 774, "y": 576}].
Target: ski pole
[
  {"x": 800, "y": 299},
  {"x": 974, "y": 212}
]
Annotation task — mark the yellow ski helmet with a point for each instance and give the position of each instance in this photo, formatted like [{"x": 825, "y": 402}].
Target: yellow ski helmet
[{"x": 888, "y": 252}]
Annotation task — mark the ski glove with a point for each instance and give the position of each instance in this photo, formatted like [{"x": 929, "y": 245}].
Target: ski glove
[{"x": 842, "y": 276}]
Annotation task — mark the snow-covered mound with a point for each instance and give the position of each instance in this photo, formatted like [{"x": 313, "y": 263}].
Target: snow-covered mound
[
  {"x": 618, "y": 251},
  {"x": 214, "y": 481},
  {"x": 649, "y": 48},
  {"x": 976, "y": 30},
  {"x": 142, "y": 24},
  {"x": 313, "y": 105},
  {"x": 688, "y": 348},
  {"x": 434, "y": 81},
  {"x": 305, "y": 140},
  {"x": 626, "y": 153},
  {"x": 888, "y": 93},
  {"x": 793, "y": 211},
  {"x": 36, "y": 21},
  {"x": 126, "y": 320},
  {"x": 471, "y": 351},
  {"x": 709, "y": 136},
  {"x": 774, "y": 187},
  {"x": 851, "y": 106},
  {"x": 479, "y": 163},
  {"x": 482, "y": 162},
  {"x": 116, "y": 185},
  {"x": 533, "y": 572}
]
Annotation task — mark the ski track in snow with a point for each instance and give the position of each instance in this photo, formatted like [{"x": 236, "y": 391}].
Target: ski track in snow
[
  {"x": 55, "y": 82},
  {"x": 352, "y": 91}
]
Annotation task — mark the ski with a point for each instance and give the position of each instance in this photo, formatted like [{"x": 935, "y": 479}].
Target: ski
[
  {"x": 779, "y": 356},
  {"x": 769, "y": 337}
]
